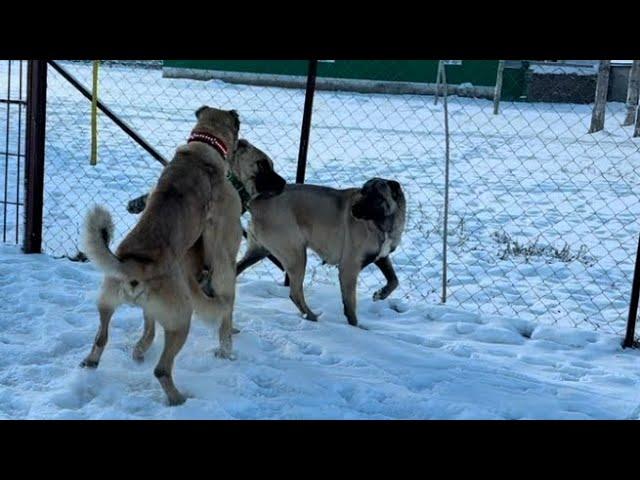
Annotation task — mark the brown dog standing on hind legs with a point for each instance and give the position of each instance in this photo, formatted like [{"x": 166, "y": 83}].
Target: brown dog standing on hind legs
[{"x": 192, "y": 218}]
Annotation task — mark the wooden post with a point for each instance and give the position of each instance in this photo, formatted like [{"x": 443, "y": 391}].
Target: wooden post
[
  {"x": 633, "y": 90},
  {"x": 600, "y": 104},
  {"x": 438, "y": 80},
  {"x": 497, "y": 93}
]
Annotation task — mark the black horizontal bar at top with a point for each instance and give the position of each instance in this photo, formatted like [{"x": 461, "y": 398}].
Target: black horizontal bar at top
[{"x": 13, "y": 102}]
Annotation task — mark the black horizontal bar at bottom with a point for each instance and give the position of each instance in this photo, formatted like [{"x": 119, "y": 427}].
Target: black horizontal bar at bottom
[{"x": 12, "y": 154}]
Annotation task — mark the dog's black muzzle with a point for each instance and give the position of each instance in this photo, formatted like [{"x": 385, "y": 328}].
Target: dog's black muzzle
[
  {"x": 370, "y": 206},
  {"x": 269, "y": 182}
]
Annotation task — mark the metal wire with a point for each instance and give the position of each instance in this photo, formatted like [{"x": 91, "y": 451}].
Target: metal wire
[{"x": 539, "y": 218}]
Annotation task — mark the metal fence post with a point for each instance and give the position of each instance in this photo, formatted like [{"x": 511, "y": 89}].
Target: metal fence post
[
  {"x": 445, "y": 228},
  {"x": 306, "y": 128},
  {"x": 306, "y": 121},
  {"x": 629, "y": 340},
  {"x": 35, "y": 136}
]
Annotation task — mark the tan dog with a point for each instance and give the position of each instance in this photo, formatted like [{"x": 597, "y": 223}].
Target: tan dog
[
  {"x": 192, "y": 218},
  {"x": 349, "y": 228}
]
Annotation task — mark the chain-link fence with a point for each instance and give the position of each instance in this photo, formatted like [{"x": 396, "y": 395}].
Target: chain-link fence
[
  {"x": 543, "y": 217},
  {"x": 12, "y": 155},
  {"x": 161, "y": 110}
]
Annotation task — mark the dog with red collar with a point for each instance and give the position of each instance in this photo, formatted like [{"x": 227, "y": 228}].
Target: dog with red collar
[{"x": 191, "y": 219}]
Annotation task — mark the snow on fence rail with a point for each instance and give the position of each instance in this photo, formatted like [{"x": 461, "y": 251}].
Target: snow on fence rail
[{"x": 543, "y": 217}]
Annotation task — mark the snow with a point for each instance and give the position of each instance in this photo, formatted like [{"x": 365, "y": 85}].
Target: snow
[
  {"x": 415, "y": 361},
  {"x": 528, "y": 180}
]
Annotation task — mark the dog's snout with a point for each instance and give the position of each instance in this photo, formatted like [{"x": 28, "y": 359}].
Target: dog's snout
[{"x": 269, "y": 182}]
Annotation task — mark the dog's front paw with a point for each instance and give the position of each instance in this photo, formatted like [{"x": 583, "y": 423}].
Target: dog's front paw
[
  {"x": 137, "y": 205},
  {"x": 380, "y": 294}
]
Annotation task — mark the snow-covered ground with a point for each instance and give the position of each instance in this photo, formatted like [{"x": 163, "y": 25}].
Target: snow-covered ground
[
  {"x": 415, "y": 361},
  {"x": 523, "y": 184}
]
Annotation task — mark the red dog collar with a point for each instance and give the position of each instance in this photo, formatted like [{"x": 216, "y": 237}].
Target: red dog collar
[{"x": 210, "y": 140}]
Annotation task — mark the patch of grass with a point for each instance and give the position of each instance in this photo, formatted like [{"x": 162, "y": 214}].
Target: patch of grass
[{"x": 511, "y": 248}]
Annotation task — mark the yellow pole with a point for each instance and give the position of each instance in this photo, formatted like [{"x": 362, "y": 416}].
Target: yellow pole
[{"x": 94, "y": 115}]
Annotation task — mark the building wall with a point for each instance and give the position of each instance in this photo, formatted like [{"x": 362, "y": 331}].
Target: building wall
[
  {"x": 618, "y": 82},
  {"x": 476, "y": 72}
]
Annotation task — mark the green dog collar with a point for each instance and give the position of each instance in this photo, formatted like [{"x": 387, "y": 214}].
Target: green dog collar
[{"x": 244, "y": 195}]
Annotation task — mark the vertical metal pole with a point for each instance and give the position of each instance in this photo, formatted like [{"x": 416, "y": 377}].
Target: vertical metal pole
[
  {"x": 35, "y": 135},
  {"x": 445, "y": 229},
  {"x": 19, "y": 152},
  {"x": 306, "y": 120},
  {"x": 6, "y": 158},
  {"x": 306, "y": 128},
  {"x": 633, "y": 305},
  {"x": 94, "y": 114}
]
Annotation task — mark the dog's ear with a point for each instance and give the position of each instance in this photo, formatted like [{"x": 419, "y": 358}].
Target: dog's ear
[
  {"x": 242, "y": 143},
  {"x": 200, "y": 110},
  {"x": 396, "y": 189},
  {"x": 236, "y": 118},
  {"x": 267, "y": 181}
]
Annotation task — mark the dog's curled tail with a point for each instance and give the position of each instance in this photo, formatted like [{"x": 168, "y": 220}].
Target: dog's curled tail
[{"x": 98, "y": 232}]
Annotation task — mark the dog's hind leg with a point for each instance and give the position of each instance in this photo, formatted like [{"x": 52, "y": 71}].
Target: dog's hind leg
[
  {"x": 348, "y": 282},
  {"x": 225, "y": 350},
  {"x": 295, "y": 268},
  {"x": 220, "y": 306},
  {"x": 173, "y": 342},
  {"x": 385, "y": 266},
  {"x": 224, "y": 281},
  {"x": 147, "y": 338},
  {"x": 107, "y": 304}
]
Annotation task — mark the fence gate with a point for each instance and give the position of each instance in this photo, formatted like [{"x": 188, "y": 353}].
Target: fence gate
[{"x": 13, "y": 84}]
